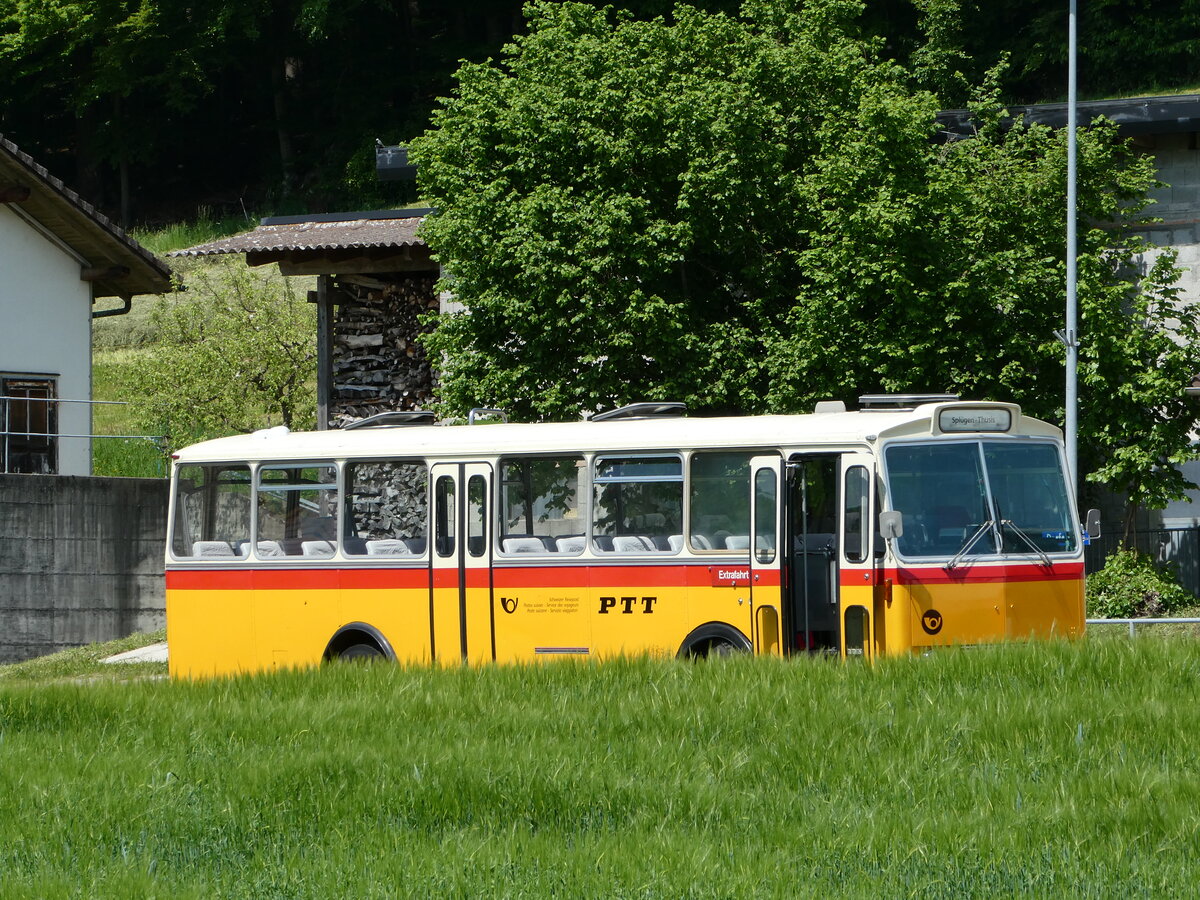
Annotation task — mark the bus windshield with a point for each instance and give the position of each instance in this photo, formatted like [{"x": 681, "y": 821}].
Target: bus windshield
[{"x": 980, "y": 498}]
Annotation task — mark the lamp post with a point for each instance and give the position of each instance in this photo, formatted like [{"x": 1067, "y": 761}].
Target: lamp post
[{"x": 1070, "y": 336}]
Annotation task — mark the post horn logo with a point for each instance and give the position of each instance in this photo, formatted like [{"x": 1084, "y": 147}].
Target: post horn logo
[
  {"x": 509, "y": 604},
  {"x": 931, "y": 621}
]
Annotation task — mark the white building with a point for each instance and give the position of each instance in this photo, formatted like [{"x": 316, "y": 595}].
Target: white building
[{"x": 58, "y": 256}]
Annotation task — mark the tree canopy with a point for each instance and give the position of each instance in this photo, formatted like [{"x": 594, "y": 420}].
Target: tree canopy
[
  {"x": 152, "y": 107},
  {"x": 752, "y": 213}
]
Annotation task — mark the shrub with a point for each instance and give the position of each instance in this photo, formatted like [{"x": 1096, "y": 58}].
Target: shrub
[{"x": 1130, "y": 586}]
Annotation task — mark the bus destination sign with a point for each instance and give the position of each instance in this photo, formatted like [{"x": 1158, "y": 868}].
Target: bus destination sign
[{"x": 960, "y": 420}]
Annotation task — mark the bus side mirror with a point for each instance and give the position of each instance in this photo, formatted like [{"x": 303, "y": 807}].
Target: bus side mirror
[
  {"x": 1092, "y": 528},
  {"x": 891, "y": 524}
]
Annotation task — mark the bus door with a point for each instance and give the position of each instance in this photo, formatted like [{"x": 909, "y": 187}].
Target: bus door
[
  {"x": 861, "y": 588},
  {"x": 461, "y": 620},
  {"x": 812, "y": 615},
  {"x": 767, "y": 571}
]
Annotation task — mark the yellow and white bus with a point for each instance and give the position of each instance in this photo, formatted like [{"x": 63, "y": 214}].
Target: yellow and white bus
[{"x": 911, "y": 523}]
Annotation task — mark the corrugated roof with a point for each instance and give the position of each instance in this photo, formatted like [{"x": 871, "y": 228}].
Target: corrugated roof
[
  {"x": 79, "y": 225},
  {"x": 369, "y": 231}
]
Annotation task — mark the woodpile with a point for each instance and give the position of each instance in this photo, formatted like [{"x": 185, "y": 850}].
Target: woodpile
[{"x": 378, "y": 362}]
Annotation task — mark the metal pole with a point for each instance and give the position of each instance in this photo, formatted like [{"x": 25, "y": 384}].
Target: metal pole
[{"x": 1071, "y": 338}]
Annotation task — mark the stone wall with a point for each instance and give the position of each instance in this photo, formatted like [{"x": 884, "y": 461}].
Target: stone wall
[
  {"x": 1178, "y": 205},
  {"x": 81, "y": 560},
  {"x": 378, "y": 362}
]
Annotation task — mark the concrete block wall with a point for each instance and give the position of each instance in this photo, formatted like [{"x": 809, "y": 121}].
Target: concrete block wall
[
  {"x": 1178, "y": 205},
  {"x": 81, "y": 560}
]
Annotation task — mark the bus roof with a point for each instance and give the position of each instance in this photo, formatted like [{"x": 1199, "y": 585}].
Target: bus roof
[{"x": 489, "y": 439}]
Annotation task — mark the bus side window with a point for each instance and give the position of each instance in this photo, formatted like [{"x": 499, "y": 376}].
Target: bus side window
[
  {"x": 719, "y": 507},
  {"x": 637, "y": 504},
  {"x": 297, "y": 511},
  {"x": 212, "y": 512},
  {"x": 387, "y": 508},
  {"x": 854, "y": 517},
  {"x": 539, "y": 505}
]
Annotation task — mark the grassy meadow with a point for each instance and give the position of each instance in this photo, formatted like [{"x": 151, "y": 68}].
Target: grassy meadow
[{"x": 1021, "y": 770}]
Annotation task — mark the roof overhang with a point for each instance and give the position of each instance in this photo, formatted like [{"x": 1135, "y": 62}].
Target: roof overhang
[
  {"x": 354, "y": 243},
  {"x": 1133, "y": 117},
  {"x": 114, "y": 263}
]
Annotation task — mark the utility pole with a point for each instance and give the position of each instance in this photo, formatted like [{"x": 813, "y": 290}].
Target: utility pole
[{"x": 1070, "y": 336}]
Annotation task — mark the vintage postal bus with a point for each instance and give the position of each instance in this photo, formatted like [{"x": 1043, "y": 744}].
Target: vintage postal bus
[{"x": 911, "y": 523}]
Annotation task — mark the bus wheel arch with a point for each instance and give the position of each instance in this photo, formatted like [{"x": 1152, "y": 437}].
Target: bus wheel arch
[
  {"x": 358, "y": 641},
  {"x": 713, "y": 639}
]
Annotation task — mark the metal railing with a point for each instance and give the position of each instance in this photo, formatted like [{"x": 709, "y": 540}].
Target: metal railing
[
  {"x": 1133, "y": 623},
  {"x": 48, "y": 439}
]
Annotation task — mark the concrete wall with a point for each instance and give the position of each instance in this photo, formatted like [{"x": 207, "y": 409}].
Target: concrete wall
[
  {"x": 46, "y": 311},
  {"x": 81, "y": 560}
]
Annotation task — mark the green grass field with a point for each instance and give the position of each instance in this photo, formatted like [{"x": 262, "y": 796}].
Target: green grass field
[{"x": 1023, "y": 770}]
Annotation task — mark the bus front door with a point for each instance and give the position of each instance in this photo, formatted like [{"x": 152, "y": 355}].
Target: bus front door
[
  {"x": 812, "y": 615},
  {"x": 461, "y": 615}
]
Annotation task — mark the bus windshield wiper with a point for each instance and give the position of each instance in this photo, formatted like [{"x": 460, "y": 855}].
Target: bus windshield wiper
[
  {"x": 1028, "y": 542},
  {"x": 983, "y": 529}
]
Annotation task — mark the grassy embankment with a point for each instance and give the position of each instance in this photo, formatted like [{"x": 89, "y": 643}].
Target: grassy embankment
[
  {"x": 121, "y": 343},
  {"x": 1024, "y": 770}
]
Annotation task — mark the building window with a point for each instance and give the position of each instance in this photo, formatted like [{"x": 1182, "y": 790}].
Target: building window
[{"x": 28, "y": 425}]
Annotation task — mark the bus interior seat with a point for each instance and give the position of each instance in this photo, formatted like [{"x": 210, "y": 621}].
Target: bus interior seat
[
  {"x": 388, "y": 547},
  {"x": 737, "y": 542},
  {"x": 700, "y": 542},
  {"x": 603, "y": 542},
  {"x": 526, "y": 544},
  {"x": 317, "y": 548},
  {"x": 212, "y": 549},
  {"x": 675, "y": 542},
  {"x": 269, "y": 550},
  {"x": 355, "y": 546},
  {"x": 416, "y": 545},
  {"x": 632, "y": 543},
  {"x": 572, "y": 543}
]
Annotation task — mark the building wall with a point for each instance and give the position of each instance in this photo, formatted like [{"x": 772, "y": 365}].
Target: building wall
[
  {"x": 45, "y": 314},
  {"x": 81, "y": 560},
  {"x": 1177, "y": 203}
]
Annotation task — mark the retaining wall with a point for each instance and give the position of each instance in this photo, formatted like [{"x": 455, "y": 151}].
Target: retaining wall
[{"x": 81, "y": 560}]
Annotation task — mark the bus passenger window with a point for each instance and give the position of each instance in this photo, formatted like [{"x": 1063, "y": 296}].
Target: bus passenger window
[
  {"x": 539, "y": 505},
  {"x": 387, "y": 509},
  {"x": 297, "y": 511},
  {"x": 638, "y": 504},
  {"x": 854, "y": 515},
  {"x": 212, "y": 512},
  {"x": 719, "y": 491}
]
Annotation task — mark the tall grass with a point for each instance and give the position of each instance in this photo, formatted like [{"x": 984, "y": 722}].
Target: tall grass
[{"x": 1039, "y": 770}]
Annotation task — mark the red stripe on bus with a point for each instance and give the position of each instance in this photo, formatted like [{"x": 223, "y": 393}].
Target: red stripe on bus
[
  {"x": 968, "y": 574},
  {"x": 295, "y": 579}
]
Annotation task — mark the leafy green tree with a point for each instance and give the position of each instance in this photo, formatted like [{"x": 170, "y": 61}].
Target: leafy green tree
[
  {"x": 752, "y": 214},
  {"x": 236, "y": 353}
]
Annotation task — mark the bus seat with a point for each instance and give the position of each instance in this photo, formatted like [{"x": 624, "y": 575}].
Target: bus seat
[
  {"x": 388, "y": 547},
  {"x": 632, "y": 543},
  {"x": 269, "y": 550},
  {"x": 701, "y": 542},
  {"x": 603, "y": 542},
  {"x": 675, "y": 542},
  {"x": 571, "y": 544},
  {"x": 355, "y": 546},
  {"x": 522, "y": 545},
  {"x": 322, "y": 549},
  {"x": 212, "y": 549},
  {"x": 416, "y": 545},
  {"x": 737, "y": 542}
]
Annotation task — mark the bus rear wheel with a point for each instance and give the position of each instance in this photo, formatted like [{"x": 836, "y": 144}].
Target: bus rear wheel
[{"x": 361, "y": 653}]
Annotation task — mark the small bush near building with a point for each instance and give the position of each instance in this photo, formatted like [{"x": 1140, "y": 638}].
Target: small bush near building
[{"x": 1131, "y": 586}]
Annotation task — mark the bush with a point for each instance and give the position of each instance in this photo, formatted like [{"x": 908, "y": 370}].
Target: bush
[{"x": 1131, "y": 586}]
